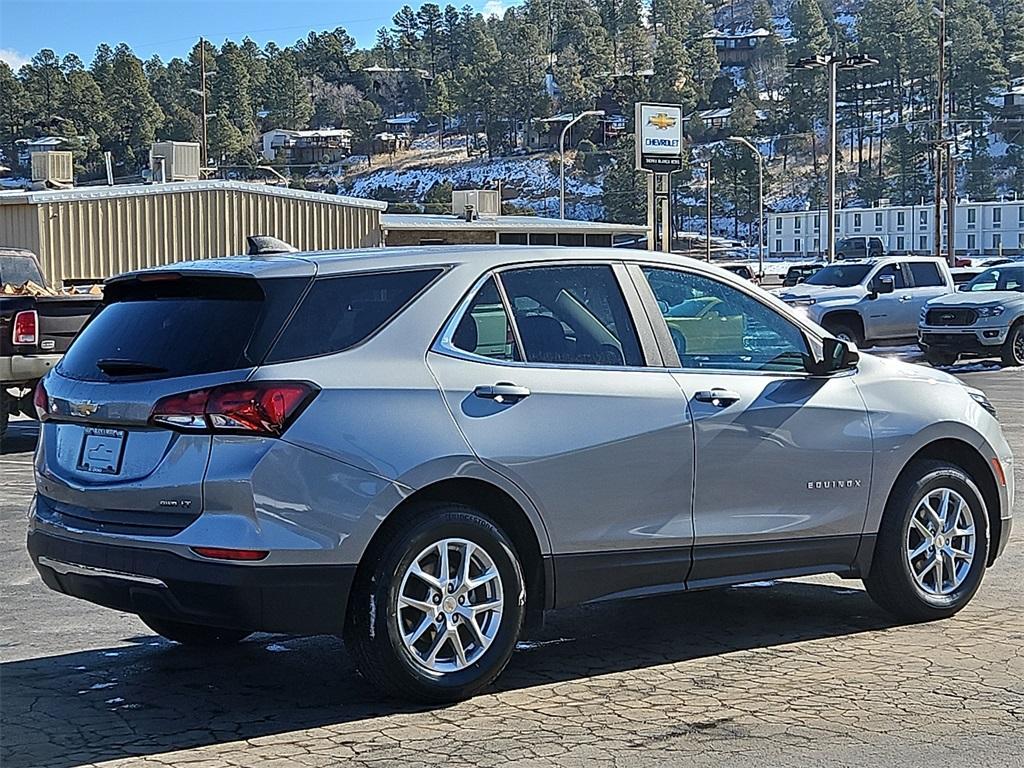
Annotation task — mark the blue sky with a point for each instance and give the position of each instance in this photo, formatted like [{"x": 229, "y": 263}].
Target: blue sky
[{"x": 170, "y": 27}]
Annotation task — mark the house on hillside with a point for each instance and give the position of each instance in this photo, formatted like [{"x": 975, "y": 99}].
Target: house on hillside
[
  {"x": 324, "y": 145},
  {"x": 714, "y": 122},
  {"x": 737, "y": 49},
  {"x": 409, "y": 124},
  {"x": 1009, "y": 119}
]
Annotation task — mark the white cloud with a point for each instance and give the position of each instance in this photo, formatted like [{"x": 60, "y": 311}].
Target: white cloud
[
  {"x": 13, "y": 58},
  {"x": 494, "y": 8}
]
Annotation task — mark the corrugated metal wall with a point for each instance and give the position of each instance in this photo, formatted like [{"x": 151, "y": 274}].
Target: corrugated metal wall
[{"x": 105, "y": 235}]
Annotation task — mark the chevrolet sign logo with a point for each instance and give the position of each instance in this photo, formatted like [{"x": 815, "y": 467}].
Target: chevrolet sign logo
[{"x": 661, "y": 121}]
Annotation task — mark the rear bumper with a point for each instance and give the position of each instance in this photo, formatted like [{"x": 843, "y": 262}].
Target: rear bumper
[
  {"x": 283, "y": 598},
  {"x": 24, "y": 369}
]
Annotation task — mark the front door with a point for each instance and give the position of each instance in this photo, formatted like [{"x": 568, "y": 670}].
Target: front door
[
  {"x": 891, "y": 315},
  {"x": 782, "y": 458},
  {"x": 562, "y": 403}
]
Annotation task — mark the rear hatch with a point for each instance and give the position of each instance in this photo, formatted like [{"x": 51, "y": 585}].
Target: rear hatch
[{"x": 104, "y": 465}]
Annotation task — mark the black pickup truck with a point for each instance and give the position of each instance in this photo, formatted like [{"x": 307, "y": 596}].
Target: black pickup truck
[{"x": 34, "y": 331}]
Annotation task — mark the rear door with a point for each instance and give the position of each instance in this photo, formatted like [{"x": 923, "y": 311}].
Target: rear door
[
  {"x": 544, "y": 372},
  {"x": 927, "y": 282},
  {"x": 101, "y": 464}
]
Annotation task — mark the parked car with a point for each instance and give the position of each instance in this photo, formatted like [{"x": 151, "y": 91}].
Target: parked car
[
  {"x": 985, "y": 318},
  {"x": 962, "y": 275},
  {"x": 423, "y": 449},
  {"x": 798, "y": 273},
  {"x": 871, "y": 301},
  {"x": 743, "y": 271},
  {"x": 35, "y": 330},
  {"x": 860, "y": 247}
]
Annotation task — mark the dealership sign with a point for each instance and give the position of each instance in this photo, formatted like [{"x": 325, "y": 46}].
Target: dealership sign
[{"x": 659, "y": 138}]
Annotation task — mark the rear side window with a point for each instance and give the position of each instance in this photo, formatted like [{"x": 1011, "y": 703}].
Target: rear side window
[
  {"x": 171, "y": 327},
  {"x": 926, "y": 274},
  {"x": 485, "y": 330},
  {"x": 339, "y": 312}
]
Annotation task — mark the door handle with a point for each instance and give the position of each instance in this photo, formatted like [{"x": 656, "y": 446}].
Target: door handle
[
  {"x": 718, "y": 397},
  {"x": 502, "y": 392},
  {"x": 906, "y": 297}
]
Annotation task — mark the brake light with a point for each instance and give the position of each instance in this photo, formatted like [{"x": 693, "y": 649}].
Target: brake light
[
  {"x": 26, "y": 327},
  {"x": 219, "y": 553},
  {"x": 254, "y": 408},
  {"x": 41, "y": 400}
]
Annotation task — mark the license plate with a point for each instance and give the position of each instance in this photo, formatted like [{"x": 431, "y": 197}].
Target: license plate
[{"x": 102, "y": 450}]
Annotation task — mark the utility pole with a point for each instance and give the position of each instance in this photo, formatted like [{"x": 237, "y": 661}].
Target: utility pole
[
  {"x": 830, "y": 253},
  {"x": 202, "y": 88},
  {"x": 950, "y": 206},
  {"x": 940, "y": 128},
  {"x": 707, "y": 202}
]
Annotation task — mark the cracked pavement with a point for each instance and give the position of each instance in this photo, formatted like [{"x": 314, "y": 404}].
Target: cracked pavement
[{"x": 790, "y": 674}]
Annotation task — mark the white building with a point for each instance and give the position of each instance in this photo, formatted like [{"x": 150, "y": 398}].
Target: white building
[{"x": 982, "y": 228}]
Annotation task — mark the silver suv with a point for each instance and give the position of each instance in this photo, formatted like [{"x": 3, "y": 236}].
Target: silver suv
[{"x": 424, "y": 449}]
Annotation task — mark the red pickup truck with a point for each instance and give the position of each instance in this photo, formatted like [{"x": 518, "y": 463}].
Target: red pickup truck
[{"x": 34, "y": 330}]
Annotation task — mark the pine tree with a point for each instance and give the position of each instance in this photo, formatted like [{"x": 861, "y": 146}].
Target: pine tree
[
  {"x": 285, "y": 97},
  {"x": 406, "y": 31},
  {"x": 14, "y": 108},
  {"x": 430, "y": 24},
  {"x": 231, "y": 98},
  {"x": 44, "y": 83},
  {"x": 134, "y": 113},
  {"x": 625, "y": 190}
]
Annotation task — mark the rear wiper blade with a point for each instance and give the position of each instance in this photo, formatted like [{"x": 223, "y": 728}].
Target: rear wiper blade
[{"x": 115, "y": 366}]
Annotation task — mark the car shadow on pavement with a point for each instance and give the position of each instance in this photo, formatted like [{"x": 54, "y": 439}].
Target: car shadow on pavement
[
  {"x": 20, "y": 437},
  {"x": 155, "y": 697}
]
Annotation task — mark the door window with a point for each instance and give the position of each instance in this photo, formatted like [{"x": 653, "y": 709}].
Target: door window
[
  {"x": 926, "y": 274},
  {"x": 714, "y": 325},
  {"x": 484, "y": 329},
  {"x": 573, "y": 315},
  {"x": 895, "y": 271}
]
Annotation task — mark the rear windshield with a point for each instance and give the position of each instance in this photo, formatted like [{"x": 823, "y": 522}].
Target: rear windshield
[
  {"x": 16, "y": 269},
  {"x": 339, "y": 312},
  {"x": 181, "y": 327}
]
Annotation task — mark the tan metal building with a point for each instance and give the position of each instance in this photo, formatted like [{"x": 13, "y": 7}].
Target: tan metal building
[{"x": 97, "y": 232}]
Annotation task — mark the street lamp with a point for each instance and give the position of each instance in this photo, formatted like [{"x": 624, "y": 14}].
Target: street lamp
[
  {"x": 834, "y": 63},
  {"x": 561, "y": 155},
  {"x": 760, "y": 200}
]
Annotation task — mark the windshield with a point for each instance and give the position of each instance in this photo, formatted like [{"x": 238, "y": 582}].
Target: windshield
[
  {"x": 18, "y": 270},
  {"x": 998, "y": 279},
  {"x": 850, "y": 242},
  {"x": 839, "y": 275}
]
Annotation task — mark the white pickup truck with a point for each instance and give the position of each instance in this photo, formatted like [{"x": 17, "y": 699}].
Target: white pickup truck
[{"x": 875, "y": 300}]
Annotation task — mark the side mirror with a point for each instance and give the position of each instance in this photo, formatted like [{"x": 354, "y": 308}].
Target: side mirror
[
  {"x": 836, "y": 355},
  {"x": 884, "y": 284},
  {"x": 963, "y": 287}
]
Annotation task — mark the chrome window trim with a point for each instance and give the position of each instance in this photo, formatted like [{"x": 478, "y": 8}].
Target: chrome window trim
[{"x": 77, "y": 569}]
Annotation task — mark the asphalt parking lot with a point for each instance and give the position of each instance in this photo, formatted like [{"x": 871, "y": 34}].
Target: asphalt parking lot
[{"x": 803, "y": 672}]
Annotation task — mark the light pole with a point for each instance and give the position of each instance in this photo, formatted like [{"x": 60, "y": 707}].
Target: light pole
[
  {"x": 834, "y": 63},
  {"x": 561, "y": 155},
  {"x": 760, "y": 200}
]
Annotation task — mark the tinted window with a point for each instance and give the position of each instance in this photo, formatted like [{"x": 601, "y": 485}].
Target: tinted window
[
  {"x": 840, "y": 275},
  {"x": 716, "y": 326},
  {"x": 339, "y": 312},
  {"x": 484, "y": 329},
  {"x": 180, "y": 327},
  {"x": 18, "y": 270},
  {"x": 926, "y": 274},
  {"x": 573, "y": 315},
  {"x": 895, "y": 271}
]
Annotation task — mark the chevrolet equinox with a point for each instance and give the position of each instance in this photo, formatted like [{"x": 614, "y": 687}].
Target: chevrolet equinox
[{"x": 424, "y": 449}]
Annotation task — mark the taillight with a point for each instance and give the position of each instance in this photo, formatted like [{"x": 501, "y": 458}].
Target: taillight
[
  {"x": 26, "y": 327},
  {"x": 41, "y": 400},
  {"x": 253, "y": 408}
]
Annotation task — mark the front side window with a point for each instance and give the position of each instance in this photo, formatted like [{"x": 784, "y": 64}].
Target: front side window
[
  {"x": 840, "y": 275},
  {"x": 572, "y": 315},
  {"x": 485, "y": 329},
  {"x": 926, "y": 274},
  {"x": 714, "y": 325},
  {"x": 895, "y": 271}
]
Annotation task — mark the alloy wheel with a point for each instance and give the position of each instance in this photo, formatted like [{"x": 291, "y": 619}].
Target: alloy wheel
[
  {"x": 450, "y": 603},
  {"x": 1018, "y": 346},
  {"x": 941, "y": 542}
]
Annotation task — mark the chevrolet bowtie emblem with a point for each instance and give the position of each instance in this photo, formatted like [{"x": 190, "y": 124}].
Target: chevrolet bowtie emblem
[
  {"x": 84, "y": 408},
  {"x": 661, "y": 121}
]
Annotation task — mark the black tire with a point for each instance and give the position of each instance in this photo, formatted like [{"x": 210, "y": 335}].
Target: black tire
[
  {"x": 194, "y": 634},
  {"x": 1013, "y": 347},
  {"x": 844, "y": 332},
  {"x": 372, "y": 631},
  {"x": 941, "y": 359},
  {"x": 890, "y": 582}
]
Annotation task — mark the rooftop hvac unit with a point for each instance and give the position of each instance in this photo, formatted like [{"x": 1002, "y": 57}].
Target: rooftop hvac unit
[
  {"x": 481, "y": 202},
  {"x": 174, "y": 161},
  {"x": 53, "y": 167}
]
